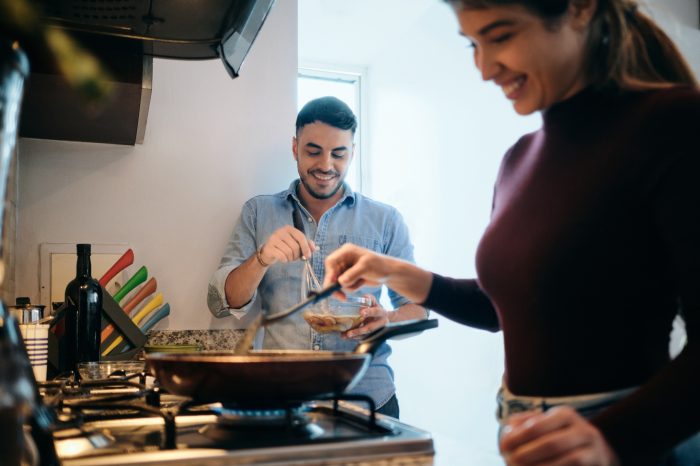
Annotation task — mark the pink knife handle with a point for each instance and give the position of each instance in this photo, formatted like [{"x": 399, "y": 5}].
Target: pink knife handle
[
  {"x": 124, "y": 261},
  {"x": 145, "y": 290}
]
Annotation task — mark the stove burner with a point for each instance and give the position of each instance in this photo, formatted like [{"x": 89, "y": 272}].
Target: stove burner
[{"x": 282, "y": 417}]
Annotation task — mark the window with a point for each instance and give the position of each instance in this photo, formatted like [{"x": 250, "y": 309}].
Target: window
[{"x": 318, "y": 81}]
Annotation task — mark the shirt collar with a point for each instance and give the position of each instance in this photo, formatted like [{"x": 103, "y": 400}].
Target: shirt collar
[{"x": 348, "y": 194}]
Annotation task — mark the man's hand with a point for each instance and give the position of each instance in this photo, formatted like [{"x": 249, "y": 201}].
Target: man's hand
[
  {"x": 558, "y": 437},
  {"x": 287, "y": 244},
  {"x": 374, "y": 317}
]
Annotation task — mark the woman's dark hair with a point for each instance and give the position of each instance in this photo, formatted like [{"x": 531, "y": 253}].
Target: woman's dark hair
[
  {"x": 625, "y": 47},
  {"x": 329, "y": 110}
]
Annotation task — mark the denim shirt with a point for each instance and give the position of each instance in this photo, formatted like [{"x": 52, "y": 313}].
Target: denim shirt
[{"x": 353, "y": 219}]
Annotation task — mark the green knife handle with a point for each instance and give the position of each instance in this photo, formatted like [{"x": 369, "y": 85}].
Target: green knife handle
[{"x": 139, "y": 277}]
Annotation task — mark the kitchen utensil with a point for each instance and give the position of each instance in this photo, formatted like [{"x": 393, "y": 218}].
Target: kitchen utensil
[
  {"x": 342, "y": 315},
  {"x": 139, "y": 277},
  {"x": 152, "y": 304},
  {"x": 269, "y": 378},
  {"x": 106, "y": 369},
  {"x": 25, "y": 312},
  {"x": 146, "y": 324},
  {"x": 262, "y": 319},
  {"x": 154, "y": 318},
  {"x": 36, "y": 341},
  {"x": 123, "y": 262},
  {"x": 147, "y": 289},
  {"x": 172, "y": 349}
]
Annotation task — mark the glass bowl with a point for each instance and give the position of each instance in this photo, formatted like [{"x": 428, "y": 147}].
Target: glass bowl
[
  {"x": 343, "y": 315},
  {"x": 106, "y": 369}
]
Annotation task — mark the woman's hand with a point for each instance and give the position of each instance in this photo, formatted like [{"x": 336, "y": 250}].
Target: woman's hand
[
  {"x": 354, "y": 267},
  {"x": 557, "y": 437},
  {"x": 286, "y": 244},
  {"x": 374, "y": 317}
]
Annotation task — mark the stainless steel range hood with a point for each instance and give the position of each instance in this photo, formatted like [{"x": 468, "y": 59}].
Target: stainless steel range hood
[{"x": 126, "y": 35}]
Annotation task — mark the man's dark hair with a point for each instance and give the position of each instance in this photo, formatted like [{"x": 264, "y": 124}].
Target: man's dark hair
[{"x": 329, "y": 110}]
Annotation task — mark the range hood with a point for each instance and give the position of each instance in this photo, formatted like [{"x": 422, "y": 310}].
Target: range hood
[{"x": 126, "y": 35}]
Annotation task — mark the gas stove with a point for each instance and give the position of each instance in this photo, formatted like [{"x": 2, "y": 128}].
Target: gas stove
[{"x": 124, "y": 422}]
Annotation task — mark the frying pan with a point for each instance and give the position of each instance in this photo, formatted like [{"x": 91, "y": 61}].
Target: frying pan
[{"x": 271, "y": 378}]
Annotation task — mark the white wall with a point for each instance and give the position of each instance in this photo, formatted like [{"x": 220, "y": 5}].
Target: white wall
[{"x": 211, "y": 143}]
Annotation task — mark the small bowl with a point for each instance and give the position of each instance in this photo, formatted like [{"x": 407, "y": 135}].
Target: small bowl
[
  {"x": 172, "y": 349},
  {"x": 343, "y": 316},
  {"x": 106, "y": 369}
]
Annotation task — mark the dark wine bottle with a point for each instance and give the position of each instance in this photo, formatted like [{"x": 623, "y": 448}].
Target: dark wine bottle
[{"x": 83, "y": 313}]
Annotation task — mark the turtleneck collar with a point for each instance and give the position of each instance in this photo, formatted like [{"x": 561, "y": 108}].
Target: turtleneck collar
[{"x": 579, "y": 108}]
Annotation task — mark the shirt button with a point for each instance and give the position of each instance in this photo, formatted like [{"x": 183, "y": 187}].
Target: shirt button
[
  {"x": 317, "y": 347},
  {"x": 310, "y": 219}
]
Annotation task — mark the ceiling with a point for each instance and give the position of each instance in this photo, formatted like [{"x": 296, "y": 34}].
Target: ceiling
[{"x": 351, "y": 32}]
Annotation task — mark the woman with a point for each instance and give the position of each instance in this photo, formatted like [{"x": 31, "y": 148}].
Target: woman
[{"x": 594, "y": 241}]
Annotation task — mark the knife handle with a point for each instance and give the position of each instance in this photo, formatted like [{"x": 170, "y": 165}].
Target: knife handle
[
  {"x": 152, "y": 304},
  {"x": 147, "y": 289},
  {"x": 156, "y": 317},
  {"x": 149, "y": 323},
  {"x": 138, "y": 278},
  {"x": 124, "y": 261}
]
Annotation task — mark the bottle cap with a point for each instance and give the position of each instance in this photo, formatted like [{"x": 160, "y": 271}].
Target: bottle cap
[{"x": 83, "y": 248}]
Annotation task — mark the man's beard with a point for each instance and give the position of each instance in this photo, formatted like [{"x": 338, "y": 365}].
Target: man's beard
[{"x": 317, "y": 195}]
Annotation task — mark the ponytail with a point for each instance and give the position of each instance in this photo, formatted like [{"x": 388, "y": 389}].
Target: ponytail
[{"x": 628, "y": 49}]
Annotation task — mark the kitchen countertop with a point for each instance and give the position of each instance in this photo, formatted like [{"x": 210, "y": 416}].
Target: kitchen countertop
[{"x": 207, "y": 340}]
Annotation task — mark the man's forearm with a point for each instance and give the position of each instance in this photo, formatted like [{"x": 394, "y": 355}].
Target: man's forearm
[
  {"x": 408, "y": 312},
  {"x": 242, "y": 282}
]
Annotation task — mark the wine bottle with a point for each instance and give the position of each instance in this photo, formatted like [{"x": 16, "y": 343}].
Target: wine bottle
[{"x": 83, "y": 313}]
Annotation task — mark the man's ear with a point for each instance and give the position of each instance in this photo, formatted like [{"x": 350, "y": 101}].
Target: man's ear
[
  {"x": 582, "y": 12},
  {"x": 295, "y": 148}
]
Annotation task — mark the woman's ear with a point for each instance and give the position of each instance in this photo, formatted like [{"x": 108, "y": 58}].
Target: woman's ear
[{"x": 582, "y": 12}]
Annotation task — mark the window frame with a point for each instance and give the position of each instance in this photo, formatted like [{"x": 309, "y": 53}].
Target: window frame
[{"x": 358, "y": 76}]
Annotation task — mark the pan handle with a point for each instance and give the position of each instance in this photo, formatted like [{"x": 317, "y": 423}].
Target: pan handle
[{"x": 408, "y": 327}]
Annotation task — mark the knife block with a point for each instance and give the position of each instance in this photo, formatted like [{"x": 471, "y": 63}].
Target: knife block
[{"x": 112, "y": 313}]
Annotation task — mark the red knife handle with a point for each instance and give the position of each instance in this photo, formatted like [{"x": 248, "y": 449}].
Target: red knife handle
[{"x": 124, "y": 261}]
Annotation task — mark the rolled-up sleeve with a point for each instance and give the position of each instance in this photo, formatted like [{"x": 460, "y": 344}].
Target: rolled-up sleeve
[{"x": 241, "y": 245}]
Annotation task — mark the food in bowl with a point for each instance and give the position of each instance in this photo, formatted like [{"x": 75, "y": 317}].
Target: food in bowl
[
  {"x": 107, "y": 369},
  {"x": 343, "y": 315}
]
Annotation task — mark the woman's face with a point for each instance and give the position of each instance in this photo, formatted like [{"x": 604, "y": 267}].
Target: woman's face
[{"x": 535, "y": 64}]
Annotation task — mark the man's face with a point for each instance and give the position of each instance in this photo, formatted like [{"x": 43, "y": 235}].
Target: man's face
[{"x": 323, "y": 154}]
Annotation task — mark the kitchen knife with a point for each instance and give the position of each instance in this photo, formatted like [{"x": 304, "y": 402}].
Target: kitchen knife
[
  {"x": 139, "y": 277},
  {"x": 124, "y": 261},
  {"x": 147, "y": 324},
  {"x": 156, "y": 317},
  {"x": 147, "y": 289},
  {"x": 152, "y": 304}
]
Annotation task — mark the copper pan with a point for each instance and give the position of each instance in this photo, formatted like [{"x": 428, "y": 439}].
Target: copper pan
[{"x": 266, "y": 378}]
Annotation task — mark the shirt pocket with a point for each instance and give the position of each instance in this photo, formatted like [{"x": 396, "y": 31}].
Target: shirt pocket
[{"x": 373, "y": 244}]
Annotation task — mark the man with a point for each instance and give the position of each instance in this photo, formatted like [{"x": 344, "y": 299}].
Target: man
[{"x": 262, "y": 257}]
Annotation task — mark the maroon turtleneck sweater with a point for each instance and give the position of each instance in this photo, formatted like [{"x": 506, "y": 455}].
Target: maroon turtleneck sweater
[{"x": 592, "y": 248}]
